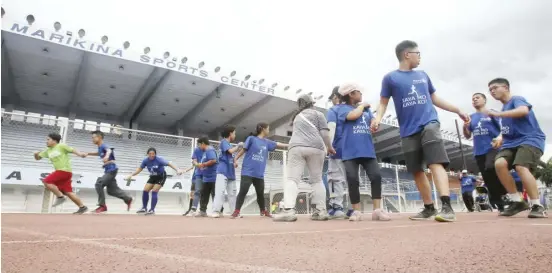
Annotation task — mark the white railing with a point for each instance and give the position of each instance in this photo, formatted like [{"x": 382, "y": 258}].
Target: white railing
[{"x": 24, "y": 134}]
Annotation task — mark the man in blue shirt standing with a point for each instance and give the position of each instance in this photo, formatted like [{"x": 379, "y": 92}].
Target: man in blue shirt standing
[
  {"x": 208, "y": 166},
  {"x": 422, "y": 144},
  {"x": 467, "y": 182},
  {"x": 486, "y": 137},
  {"x": 522, "y": 148}
]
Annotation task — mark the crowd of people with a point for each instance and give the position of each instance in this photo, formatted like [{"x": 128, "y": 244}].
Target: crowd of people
[{"x": 503, "y": 140}]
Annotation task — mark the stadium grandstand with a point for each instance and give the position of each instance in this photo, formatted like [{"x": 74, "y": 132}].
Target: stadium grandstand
[{"x": 59, "y": 80}]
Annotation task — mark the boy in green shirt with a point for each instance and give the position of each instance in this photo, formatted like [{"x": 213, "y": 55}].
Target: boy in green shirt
[{"x": 59, "y": 182}]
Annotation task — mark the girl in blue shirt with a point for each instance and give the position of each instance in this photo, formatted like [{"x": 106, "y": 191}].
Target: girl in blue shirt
[
  {"x": 358, "y": 150},
  {"x": 256, "y": 149},
  {"x": 156, "y": 167}
]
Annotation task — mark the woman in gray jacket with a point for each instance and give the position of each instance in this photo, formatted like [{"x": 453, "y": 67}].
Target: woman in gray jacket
[{"x": 309, "y": 144}]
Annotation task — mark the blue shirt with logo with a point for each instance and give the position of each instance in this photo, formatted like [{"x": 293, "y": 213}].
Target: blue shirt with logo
[
  {"x": 256, "y": 155},
  {"x": 411, "y": 92},
  {"x": 102, "y": 150},
  {"x": 521, "y": 131},
  {"x": 226, "y": 161},
  {"x": 209, "y": 174},
  {"x": 197, "y": 155},
  {"x": 467, "y": 183},
  {"x": 356, "y": 139},
  {"x": 332, "y": 116},
  {"x": 155, "y": 166},
  {"x": 484, "y": 129}
]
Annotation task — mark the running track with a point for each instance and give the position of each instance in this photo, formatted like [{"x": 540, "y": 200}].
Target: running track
[{"x": 478, "y": 242}]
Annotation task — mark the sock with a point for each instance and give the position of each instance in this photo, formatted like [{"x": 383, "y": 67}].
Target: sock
[
  {"x": 429, "y": 206},
  {"x": 153, "y": 200},
  {"x": 515, "y": 197},
  {"x": 445, "y": 200},
  {"x": 145, "y": 199},
  {"x": 535, "y": 202}
]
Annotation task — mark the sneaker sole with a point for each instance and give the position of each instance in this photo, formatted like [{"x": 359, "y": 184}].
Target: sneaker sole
[
  {"x": 422, "y": 219},
  {"x": 532, "y": 216},
  {"x": 285, "y": 220},
  {"x": 439, "y": 218}
]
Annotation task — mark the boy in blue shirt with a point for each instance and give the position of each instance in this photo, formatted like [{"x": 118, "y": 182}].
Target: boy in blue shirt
[
  {"x": 486, "y": 135},
  {"x": 467, "y": 182},
  {"x": 208, "y": 167},
  {"x": 521, "y": 149},
  {"x": 422, "y": 144},
  {"x": 196, "y": 179},
  {"x": 109, "y": 179}
]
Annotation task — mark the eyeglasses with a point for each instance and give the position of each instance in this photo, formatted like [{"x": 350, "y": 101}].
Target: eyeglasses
[
  {"x": 415, "y": 52},
  {"x": 495, "y": 87}
]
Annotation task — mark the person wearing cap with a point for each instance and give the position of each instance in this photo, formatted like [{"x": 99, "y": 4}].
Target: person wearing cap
[
  {"x": 486, "y": 140},
  {"x": 337, "y": 183},
  {"x": 422, "y": 143},
  {"x": 467, "y": 182},
  {"x": 358, "y": 150},
  {"x": 307, "y": 147}
]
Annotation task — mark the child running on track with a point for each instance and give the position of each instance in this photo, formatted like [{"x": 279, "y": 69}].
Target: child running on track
[
  {"x": 109, "y": 179},
  {"x": 156, "y": 167},
  {"x": 59, "y": 182},
  {"x": 256, "y": 150}
]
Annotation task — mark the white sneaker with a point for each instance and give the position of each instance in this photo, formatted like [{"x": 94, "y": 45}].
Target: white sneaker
[
  {"x": 216, "y": 214},
  {"x": 320, "y": 215},
  {"x": 355, "y": 216},
  {"x": 380, "y": 215},
  {"x": 285, "y": 216},
  {"x": 59, "y": 201},
  {"x": 338, "y": 214}
]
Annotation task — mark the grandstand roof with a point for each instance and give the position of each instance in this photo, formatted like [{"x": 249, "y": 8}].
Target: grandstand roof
[{"x": 62, "y": 72}]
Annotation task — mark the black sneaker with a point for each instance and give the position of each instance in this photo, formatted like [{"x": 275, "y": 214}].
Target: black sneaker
[
  {"x": 81, "y": 210},
  {"x": 446, "y": 214},
  {"x": 538, "y": 211},
  {"x": 514, "y": 208},
  {"x": 425, "y": 214}
]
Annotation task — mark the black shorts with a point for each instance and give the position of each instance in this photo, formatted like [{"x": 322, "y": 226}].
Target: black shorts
[
  {"x": 157, "y": 179},
  {"x": 425, "y": 148}
]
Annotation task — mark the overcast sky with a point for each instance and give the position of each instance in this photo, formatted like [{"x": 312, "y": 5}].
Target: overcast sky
[{"x": 315, "y": 45}]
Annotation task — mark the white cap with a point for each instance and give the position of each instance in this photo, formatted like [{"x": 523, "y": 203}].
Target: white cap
[
  {"x": 346, "y": 89},
  {"x": 464, "y": 171}
]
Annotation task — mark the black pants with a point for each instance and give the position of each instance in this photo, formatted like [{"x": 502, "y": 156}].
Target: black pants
[
  {"x": 109, "y": 181},
  {"x": 372, "y": 169},
  {"x": 485, "y": 163},
  {"x": 468, "y": 200},
  {"x": 206, "y": 190},
  {"x": 245, "y": 184}
]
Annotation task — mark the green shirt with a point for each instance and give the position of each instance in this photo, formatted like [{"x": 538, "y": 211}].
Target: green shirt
[{"x": 60, "y": 156}]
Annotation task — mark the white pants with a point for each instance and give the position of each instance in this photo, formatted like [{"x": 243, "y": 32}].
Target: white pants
[
  {"x": 313, "y": 159},
  {"x": 222, "y": 183}
]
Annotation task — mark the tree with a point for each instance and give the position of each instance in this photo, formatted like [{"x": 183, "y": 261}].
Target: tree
[{"x": 544, "y": 172}]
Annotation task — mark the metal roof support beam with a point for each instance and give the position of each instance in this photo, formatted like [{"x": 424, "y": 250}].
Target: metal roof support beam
[
  {"x": 8, "y": 83},
  {"x": 388, "y": 142},
  {"x": 239, "y": 118},
  {"x": 279, "y": 122},
  {"x": 187, "y": 119},
  {"x": 392, "y": 152},
  {"x": 156, "y": 79},
  {"x": 79, "y": 82}
]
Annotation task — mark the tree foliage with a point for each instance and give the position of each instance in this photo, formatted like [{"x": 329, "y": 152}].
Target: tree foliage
[{"x": 544, "y": 172}]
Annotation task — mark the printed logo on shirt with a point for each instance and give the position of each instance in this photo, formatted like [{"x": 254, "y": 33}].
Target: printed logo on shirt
[
  {"x": 479, "y": 130},
  {"x": 260, "y": 155},
  {"x": 505, "y": 130},
  {"x": 363, "y": 128},
  {"x": 414, "y": 97}
]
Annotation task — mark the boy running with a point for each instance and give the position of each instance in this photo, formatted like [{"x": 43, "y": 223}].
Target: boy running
[{"x": 59, "y": 182}]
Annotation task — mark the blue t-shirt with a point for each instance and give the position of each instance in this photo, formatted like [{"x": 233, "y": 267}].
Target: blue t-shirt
[
  {"x": 256, "y": 154},
  {"x": 102, "y": 150},
  {"x": 155, "y": 166},
  {"x": 209, "y": 174},
  {"x": 197, "y": 155},
  {"x": 484, "y": 129},
  {"x": 411, "y": 92},
  {"x": 226, "y": 161},
  {"x": 332, "y": 116},
  {"x": 467, "y": 183},
  {"x": 521, "y": 131},
  {"x": 356, "y": 139}
]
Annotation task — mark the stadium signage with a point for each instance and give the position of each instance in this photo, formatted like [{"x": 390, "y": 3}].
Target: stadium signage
[
  {"x": 33, "y": 177},
  {"x": 167, "y": 63}
]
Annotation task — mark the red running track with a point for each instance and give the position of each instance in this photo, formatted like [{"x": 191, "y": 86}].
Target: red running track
[{"x": 477, "y": 242}]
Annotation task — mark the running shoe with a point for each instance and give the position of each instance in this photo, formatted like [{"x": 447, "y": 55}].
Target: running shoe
[
  {"x": 320, "y": 215},
  {"x": 348, "y": 214},
  {"x": 380, "y": 215},
  {"x": 235, "y": 214},
  {"x": 200, "y": 214},
  {"x": 142, "y": 210},
  {"x": 129, "y": 203},
  {"x": 514, "y": 208},
  {"x": 150, "y": 212},
  {"x": 217, "y": 214},
  {"x": 101, "y": 209},
  {"x": 81, "y": 210},
  {"x": 538, "y": 211},
  {"x": 338, "y": 214},
  {"x": 59, "y": 201},
  {"x": 425, "y": 214},
  {"x": 285, "y": 216},
  {"x": 446, "y": 214},
  {"x": 356, "y": 216},
  {"x": 266, "y": 213}
]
